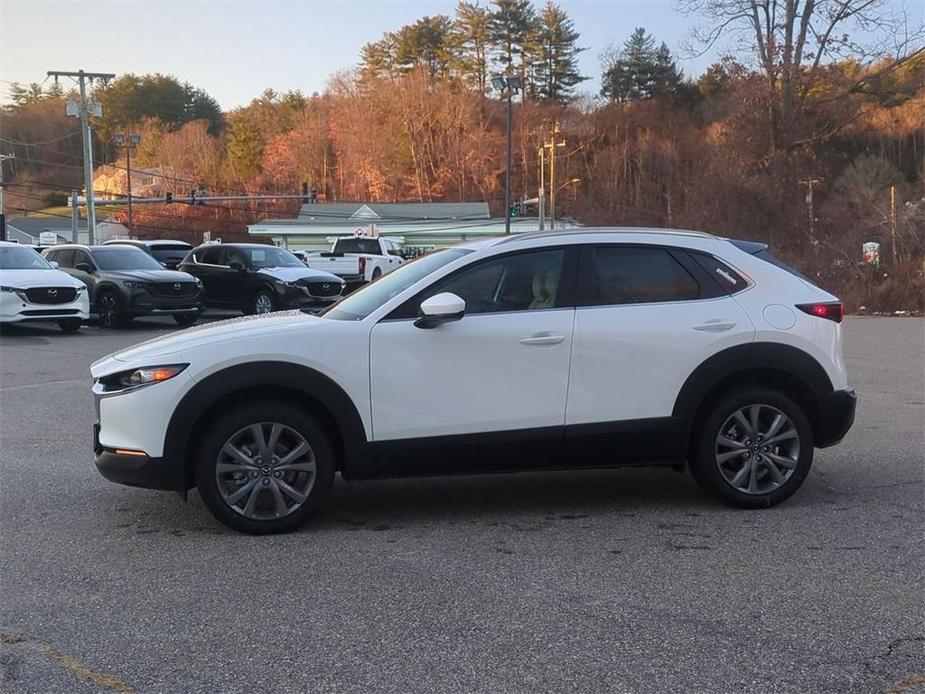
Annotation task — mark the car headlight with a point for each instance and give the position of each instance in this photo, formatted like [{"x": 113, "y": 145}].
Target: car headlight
[
  {"x": 144, "y": 376},
  {"x": 131, "y": 284},
  {"x": 81, "y": 288},
  {"x": 21, "y": 293}
]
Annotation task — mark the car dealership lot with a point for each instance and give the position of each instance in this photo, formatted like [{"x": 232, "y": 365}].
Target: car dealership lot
[{"x": 627, "y": 580}]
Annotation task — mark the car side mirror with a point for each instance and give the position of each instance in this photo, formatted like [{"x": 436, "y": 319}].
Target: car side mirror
[
  {"x": 53, "y": 264},
  {"x": 84, "y": 267},
  {"x": 440, "y": 308},
  {"x": 237, "y": 265}
]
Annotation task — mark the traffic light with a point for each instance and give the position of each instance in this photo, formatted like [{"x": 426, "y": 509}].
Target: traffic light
[
  {"x": 515, "y": 209},
  {"x": 168, "y": 198}
]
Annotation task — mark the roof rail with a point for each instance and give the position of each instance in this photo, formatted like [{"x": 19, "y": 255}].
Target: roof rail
[{"x": 604, "y": 230}]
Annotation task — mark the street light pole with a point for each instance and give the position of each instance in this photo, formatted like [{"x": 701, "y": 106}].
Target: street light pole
[
  {"x": 508, "y": 85},
  {"x": 541, "y": 197}
]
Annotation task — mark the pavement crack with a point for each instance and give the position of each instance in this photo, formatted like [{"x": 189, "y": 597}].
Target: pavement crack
[{"x": 75, "y": 667}]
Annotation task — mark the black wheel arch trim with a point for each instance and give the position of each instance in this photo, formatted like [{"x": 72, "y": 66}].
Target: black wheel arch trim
[
  {"x": 306, "y": 387},
  {"x": 761, "y": 358}
]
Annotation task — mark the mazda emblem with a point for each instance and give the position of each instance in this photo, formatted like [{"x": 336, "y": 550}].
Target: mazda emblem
[
  {"x": 326, "y": 287},
  {"x": 177, "y": 286},
  {"x": 52, "y": 292}
]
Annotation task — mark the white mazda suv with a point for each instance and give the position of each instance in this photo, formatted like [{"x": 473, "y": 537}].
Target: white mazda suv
[
  {"x": 559, "y": 350},
  {"x": 32, "y": 289}
]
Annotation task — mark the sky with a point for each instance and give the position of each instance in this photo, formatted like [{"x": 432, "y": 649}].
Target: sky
[{"x": 235, "y": 50}]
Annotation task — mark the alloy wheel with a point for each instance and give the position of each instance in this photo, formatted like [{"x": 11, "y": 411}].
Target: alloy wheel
[
  {"x": 265, "y": 471},
  {"x": 108, "y": 310},
  {"x": 757, "y": 449},
  {"x": 263, "y": 304}
]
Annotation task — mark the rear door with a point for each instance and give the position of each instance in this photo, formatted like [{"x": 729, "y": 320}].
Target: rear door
[{"x": 647, "y": 316}]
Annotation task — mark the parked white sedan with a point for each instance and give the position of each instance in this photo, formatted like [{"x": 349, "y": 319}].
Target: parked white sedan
[{"x": 32, "y": 289}]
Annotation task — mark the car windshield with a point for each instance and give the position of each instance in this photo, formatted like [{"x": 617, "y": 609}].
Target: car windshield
[
  {"x": 366, "y": 300},
  {"x": 271, "y": 257},
  {"x": 114, "y": 258},
  {"x": 20, "y": 258}
]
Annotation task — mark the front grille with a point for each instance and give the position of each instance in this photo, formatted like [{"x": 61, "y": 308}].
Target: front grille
[
  {"x": 51, "y": 295},
  {"x": 173, "y": 289},
  {"x": 324, "y": 289}
]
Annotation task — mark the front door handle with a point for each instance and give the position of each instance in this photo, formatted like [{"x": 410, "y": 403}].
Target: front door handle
[
  {"x": 716, "y": 325},
  {"x": 543, "y": 339}
]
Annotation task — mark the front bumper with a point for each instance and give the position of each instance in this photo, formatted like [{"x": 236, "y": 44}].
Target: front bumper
[
  {"x": 14, "y": 309},
  {"x": 135, "y": 470},
  {"x": 143, "y": 304},
  {"x": 836, "y": 410},
  {"x": 295, "y": 297}
]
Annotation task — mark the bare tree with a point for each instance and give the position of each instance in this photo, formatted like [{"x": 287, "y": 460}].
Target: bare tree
[{"x": 794, "y": 40}]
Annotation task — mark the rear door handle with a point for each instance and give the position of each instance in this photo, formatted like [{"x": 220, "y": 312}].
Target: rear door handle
[
  {"x": 543, "y": 339},
  {"x": 715, "y": 325}
]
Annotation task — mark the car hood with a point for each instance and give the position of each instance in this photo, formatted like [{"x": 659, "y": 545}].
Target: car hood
[
  {"x": 292, "y": 274},
  {"x": 212, "y": 334},
  {"x": 26, "y": 279},
  {"x": 149, "y": 275}
]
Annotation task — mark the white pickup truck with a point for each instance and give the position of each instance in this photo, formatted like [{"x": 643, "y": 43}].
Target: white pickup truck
[{"x": 359, "y": 259}]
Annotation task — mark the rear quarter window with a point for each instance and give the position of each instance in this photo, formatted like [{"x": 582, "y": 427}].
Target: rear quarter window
[{"x": 727, "y": 278}]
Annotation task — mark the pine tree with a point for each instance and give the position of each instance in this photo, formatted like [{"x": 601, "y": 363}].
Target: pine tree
[
  {"x": 640, "y": 71},
  {"x": 470, "y": 43},
  {"x": 557, "y": 55},
  {"x": 514, "y": 31},
  {"x": 426, "y": 43}
]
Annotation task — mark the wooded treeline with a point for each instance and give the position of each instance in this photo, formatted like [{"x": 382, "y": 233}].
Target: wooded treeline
[{"x": 730, "y": 151}]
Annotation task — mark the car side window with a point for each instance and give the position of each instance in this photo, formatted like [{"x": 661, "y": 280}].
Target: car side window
[
  {"x": 233, "y": 255},
  {"x": 520, "y": 282},
  {"x": 209, "y": 256},
  {"x": 632, "y": 275},
  {"x": 730, "y": 280},
  {"x": 64, "y": 257},
  {"x": 82, "y": 257}
]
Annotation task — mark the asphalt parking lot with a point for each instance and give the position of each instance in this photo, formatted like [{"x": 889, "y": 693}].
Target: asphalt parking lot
[{"x": 624, "y": 581}]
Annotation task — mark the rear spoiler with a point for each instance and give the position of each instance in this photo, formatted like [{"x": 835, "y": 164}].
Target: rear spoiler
[{"x": 750, "y": 247}]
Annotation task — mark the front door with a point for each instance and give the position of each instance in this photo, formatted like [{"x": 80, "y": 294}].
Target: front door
[{"x": 499, "y": 375}]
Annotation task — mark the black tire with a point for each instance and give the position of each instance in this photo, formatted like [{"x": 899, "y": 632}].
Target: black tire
[
  {"x": 263, "y": 295},
  {"x": 377, "y": 273},
  {"x": 70, "y": 325},
  {"x": 707, "y": 471},
  {"x": 111, "y": 309},
  {"x": 186, "y": 319},
  {"x": 239, "y": 418}
]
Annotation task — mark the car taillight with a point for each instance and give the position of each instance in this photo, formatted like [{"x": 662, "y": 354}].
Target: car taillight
[
  {"x": 362, "y": 265},
  {"x": 831, "y": 311}
]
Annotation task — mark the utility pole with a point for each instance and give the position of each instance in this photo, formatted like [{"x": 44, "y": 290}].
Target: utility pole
[
  {"x": 3, "y": 158},
  {"x": 812, "y": 214},
  {"x": 551, "y": 145},
  {"x": 82, "y": 111},
  {"x": 75, "y": 216},
  {"x": 541, "y": 197},
  {"x": 893, "y": 220},
  {"x": 128, "y": 143}
]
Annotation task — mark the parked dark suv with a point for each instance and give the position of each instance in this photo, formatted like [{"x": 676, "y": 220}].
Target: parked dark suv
[
  {"x": 170, "y": 253},
  {"x": 125, "y": 282},
  {"x": 257, "y": 278}
]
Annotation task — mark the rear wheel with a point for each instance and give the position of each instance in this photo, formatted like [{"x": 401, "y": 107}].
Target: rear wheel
[
  {"x": 70, "y": 325},
  {"x": 754, "y": 448},
  {"x": 377, "y": 273},
  {"x": 109, "y": 306},
  {"x": 265, "y": 467}
]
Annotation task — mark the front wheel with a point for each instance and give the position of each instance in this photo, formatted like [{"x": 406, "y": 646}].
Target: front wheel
[
  {"x": 265, "y": 467},
  {"x": 70, "y": 325},
  {"x": 185, "y": 319},
  {"x": 754, "y": 448},
  {"x": 110, "y": 308},
  {"x": 263, "y": 302}
]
